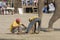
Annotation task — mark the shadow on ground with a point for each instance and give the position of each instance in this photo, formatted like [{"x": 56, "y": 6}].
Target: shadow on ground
[
  {"x": 55, "y": 29},
  {"x": 42, "y": 29},
  {"x": 9, "y": 39}
]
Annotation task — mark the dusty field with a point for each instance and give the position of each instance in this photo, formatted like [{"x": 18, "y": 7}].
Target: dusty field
[{"x": 7, "y": 19}]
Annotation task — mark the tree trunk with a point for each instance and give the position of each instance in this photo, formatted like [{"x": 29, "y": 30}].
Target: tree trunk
[
  {"x": 40, "y": 6},
  {"x": 17, "y": 4}
]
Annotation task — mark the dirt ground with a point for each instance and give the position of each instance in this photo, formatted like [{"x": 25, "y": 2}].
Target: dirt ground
[{"x": 6, "y": 20}]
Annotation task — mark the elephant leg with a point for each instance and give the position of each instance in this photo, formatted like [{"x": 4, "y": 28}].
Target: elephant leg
[{"x": 52, "y": 20}]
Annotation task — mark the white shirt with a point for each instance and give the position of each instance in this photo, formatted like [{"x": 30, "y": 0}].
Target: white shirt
[{"x": 0, "y": 3}]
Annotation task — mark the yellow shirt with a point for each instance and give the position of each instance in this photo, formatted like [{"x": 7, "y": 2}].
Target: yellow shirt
[
  {"x": 14, "y": 24},
  {"x": 32, "y": 18}
]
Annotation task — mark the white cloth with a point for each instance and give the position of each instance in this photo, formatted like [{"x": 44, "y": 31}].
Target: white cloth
[
  {"x": 35, "y": 1},
  {"x": 51, "y": 7},
  {"x": 20, "y": 10}
]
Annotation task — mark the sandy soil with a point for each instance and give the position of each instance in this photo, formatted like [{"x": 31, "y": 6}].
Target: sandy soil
[{"x": 5, "y": 21}]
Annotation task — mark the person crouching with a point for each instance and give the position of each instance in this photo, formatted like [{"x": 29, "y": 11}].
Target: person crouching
[{"x": 15, "y": 26}]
